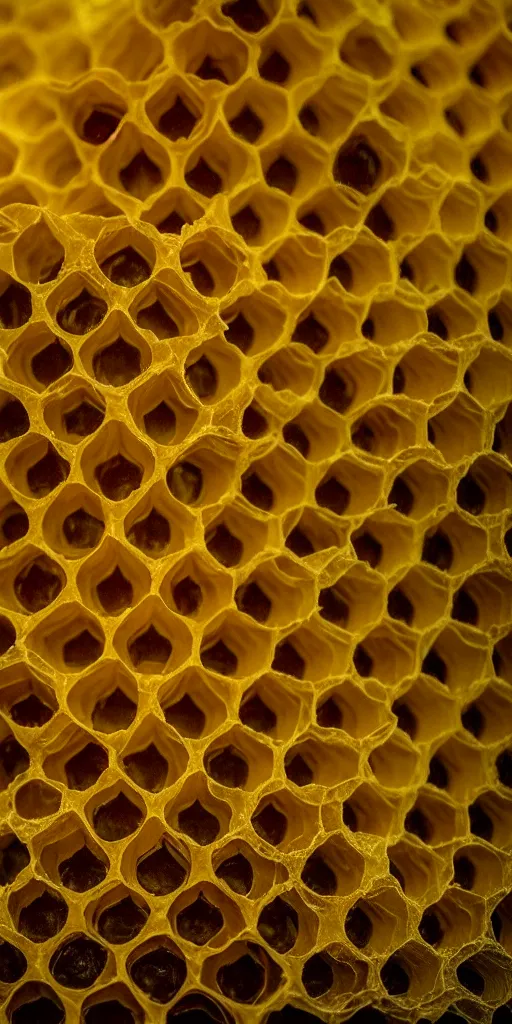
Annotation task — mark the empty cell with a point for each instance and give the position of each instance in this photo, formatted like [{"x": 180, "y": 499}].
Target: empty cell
[
  {"x": 43, "y": 917},
  {"x": 117, "y": 818},
  {"x": 81, "y": 314},
  {"x": 82, "y": 871},
  {"x": 15, "y": 303},
  {"x": 162, "y": 870},
  {"x": 38, "y": 254},
  {"x": 51, "y": 363},
  {"x": 159, "y": 972},
  {"x": 37, "y": 1001},
  {"x": 38, "y": 583},
  {"x": 13, "y": 963}
]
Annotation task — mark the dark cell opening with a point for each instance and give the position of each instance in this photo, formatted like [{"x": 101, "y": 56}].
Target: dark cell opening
[
  {"x": 357, "y": 165},
  {"x": 31, "y": 712},
  {"x": 16, "y": 523},
  {"x": 466, "y": 276},
  {"x": 240, "y": 333},
  {"x": 480, "y": 824},
  {"x": 491, "y": 221},
  {"x": 255, "y": 714},
  {"x": 433, "y": 665},
  {"x": 406, "y": 719},
  {"x": 210, "y": 71},
  {"x": 297, "y": 769},
  {"x": 116, "y": 819},
  {"x": 114, "y": 712},
  {"x": 224, "y": 546},
  {"x": 363, "y": 661},
  {"x": 236, "y": 872},
  {"x": 242, "y": 980},
  {"x": 246, "y": 223},
  {"x": 115, "y": 592},
  {"x": 417, "y": 823},
  {"x": 150, "y": 646},
  {"x": 7, "y": 635},
  {"x": 329, "y": 714},
  {"x": 160, "y": 423},
  {"x": 254, "y": 424},
  {"x": 437, "y": 550},
  {"x": 43, "y": 918},
  {"x": 100, "y": 124},
  {"x": 317, "y": 976},
  {"x": 156, "y": 319},
  {"x": 299, "y": 543},
  {"x": 219, "y": 658},
  {"x": 117, "y": 364},
  {"x": 122, "y": 922},
  {"x": 82, "y": 871},
  {"x": 82, "y": 650},
  {"x": 203, "y": 179},
  {"x": 186, "y": 717},
  {"x": 318, "y": 876},
  {"x": 495, "y": 325},
  {"x": 336, "y": 391},
  {"x": 185, "y": 482},
  {"x": 172, "y": 224},
  {"x": 251, "y": 599},
  {"x": 141, "y": 176},
  {"x": 470, "y": 978},
  {"x": 200, "y": 824},
  {"x": 46, "y": 474},
  {"x": 436, "y": 324},
  {"x": 380, "y": 223},
  {"x": 247, "y": 124},
  {"x": 228, "y": 767},
  {"x": 309, "y": 119},
  {"x": 349, "y": 816},
  {"x": 126, "y": 268},
  {"x": 36, "y": 586},
  {"x": 256, "y": 491},
  {"x": 15, "y": 306},
  {"x": 82, "y": 314},
  {"x": 200, "y": 921},
  {"x": 109, "y": 1011},
  {"x": 367, "y": 548},
  {"x": 14, "y": 759},
  {"x": 187, "y": 596},
  {"x": 178, "y": 122},
  {"x": 438, "y": 774},
  {"x": 159, "y": 973},
  {"x": 394, "y": 977},
  {"x": 78, "y": 963},
  {"x": 333, "y": 608},
  {"x": 288, "y": 660},
  {"x": 363, "y": 436},
  {"x": 118, "y": 477},
  {"x": 398, "y": 382},
  {"x": 84, "y": 769},
  {"x": 147, "y": 768},
  {"x": 332, "y": 495},
  {"x": 278, "y": 924},
  {"x": 273, "y": 273},
  {"x": 161, "y": 872},
  {"x": 358, "y": 927},
  {"x": 368, "y": 329},
  {"x": 399, "y": 606},
  {"x": 42, "y": 1009},
  {"x": 464, "y": 608},
  {"x": 463, "y": 872},
  {"x": 247, "y": 14},
  {"x": 470, "y": 495},
  {"x": 84, "y": 419},
  {"x": 82, "y": 530},
  {"x": 454, "y": 120},
  {"x": 13, "y": 963},
  {"x": 151, "y": 534},
  {"x": 202, "y": 377},
  {"x": 270, "y": 824},
  {"x": 479, "y": 169},
  {"x": 14, "y": 857},
  {"x": 282, "y": 174},
  {"x": 396, "y": 873},
  {"x": 473, "y": 720},
  {"x": 14, "y": 420},
  {"x": 406, "y": 271},
  {"x": 313, "y": 222},
  {"x": 294, "y": 435},
  {"x": 275, "y": 68},
  {"x": 504, "y": 767},
  {"x": 430, "y": 927}
]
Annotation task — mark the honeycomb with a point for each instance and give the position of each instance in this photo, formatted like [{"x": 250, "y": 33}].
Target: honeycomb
[{"x": 255, "y": 511}]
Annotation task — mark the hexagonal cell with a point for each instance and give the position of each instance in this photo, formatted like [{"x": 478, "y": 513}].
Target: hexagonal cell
[
  {"x": 116, "y": 354},
  {"x": 458, "y": 768},
  {"x": 423, "y": 374},
  {"x": 38, "y": 255},
  {"x": 118, "y": 915},
  {"x": 157, "y": 968},
  {"x": 293, "y": 165},
  {"x": 77, "y": 305},
  {"x": 69, "y": 639},
  {"x": 244, "y": 871},
  {"x": 205, "y": 915},
  {"x": 489, "y": 717},
  {"x": 134, "y": 163},
  {"x": 112, "y": 579},
  {"x": 162, "y": 409},
  {"x": 326, "y": 211},
  {"x": 158, "y": 863},
  {"x": 35, "y": 998},
  {"x": 390, "y": 321},
  {"x": 229, "y": 650},
  {"x": 298, "y": 263},
  {"x": 457, "y": 430},
  {"x": 74, "y": 522},
  {"x": 350, "y": 708},
  {"x": 287, "y": 370},
  {"x": 70, "y": 856},
  {"x": 107, "y": 1003},
  {"x": 237, "y": 760},
  {"x": 285, "y": 54},
  {"x": 368, "y": 158},
  {"x": 334, "y": 868},
  {"x": 395, "y": 762},
  {"x": 76, "y": 414},
  {"x": 152, "y": 759},
  {"x": 172, "y": 211},
  {"x": 287, "y": 923},
  {"x": 485, "y": 975},
  {"x": 487, "y": 165},
  {"x": 428, "y": 266},
  {"x": 125, "y": 257},
  {"x": 485, "y": 487},
  {"x": 315, "y": 433},
  {"x": 480, "y": 270},
  {"x": 499, "y": 319},
  {"x": 419, "y": 599},
  {"x": 204, "y": 472},
  {"x": 502, "y": 658},
  {"x": 105, "y": 699},
  {"x": 75, "y": 759},
  {"x": 115, "y": 813},
  {"x": 14, "y": 758},
  {"x": 26, "y": 696},
  {"x": 378, "y": 921},
  {"x": 148, "y": 528},
  {"x": 332, "y": 109},
  {"x": 161, "y": 308},
  {"x": 413, "y": 969},
  {"x": 489, "y": 378},
  {"x": 191, "y": 704},
  {"x": 406, "y": 105},
  {"x": 36, "y": 799},
  {"x": 418, "y": 489},
  {"x": 234, "y": 536},
  {"x": 309, "y": 653},
  {"x": 369, "y": 811},
  {"x": 418, "y": 870},
  {"x": 36, "y": 467},
  {"x": 478, "y": 869},
  {"x": 115, "y": 463},
  {"x": 246, "y": 111},
  {"x": 217, "y": 164},
  {"x": 489, "y": 818},
  {"x": 175, "y": 110},
  {"x": 433, "y": 819},
  {"x": 452, "y": 921},
  {"x": 210, "y": 263},
  {"x": 14, "y": 962},
  {"x": 38, "y": 912},
  {"x": 262, "y": 481},
  {"x": 354, "y": 601},
  {"x": 450, "y": 318},
  {"x": 364, "y": 265},
  {"x": 384, "y": 430},
  {"x": 483, "y": 601},
  {"x": 254, "y": 322},
  {"x": 454, "y": 659},
  {"x": 282, "y": 820},
  {"x": 383, "y": 542},
  {"x": 271, "y": 707},
  {"x": 31, "y": 581},
  {"x": 243, "y": 972},
  {"x": 257, "y": 215},
  {"x": 425, "y": 712},
  {"x": 197, "y": 814},
  {"x": 195, "y": 589},
  {"x": 270, "y": 593},
  {"x": 211, "y": 53},
  {"x": 310, "y": 532},
  {"x": 143, "y": 638},
  {"x": 310, "y": 762}
]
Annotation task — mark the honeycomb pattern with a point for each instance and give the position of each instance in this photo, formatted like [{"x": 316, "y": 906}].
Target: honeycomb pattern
[{"x": 255, "y": 511}]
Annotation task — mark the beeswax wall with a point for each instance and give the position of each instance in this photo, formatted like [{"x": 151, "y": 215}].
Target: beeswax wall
[{"x": 255, "y": 511}]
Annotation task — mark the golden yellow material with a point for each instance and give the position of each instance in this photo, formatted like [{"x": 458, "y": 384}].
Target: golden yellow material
[{"x": 255, "y": 527}]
